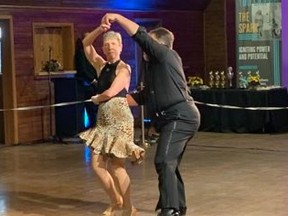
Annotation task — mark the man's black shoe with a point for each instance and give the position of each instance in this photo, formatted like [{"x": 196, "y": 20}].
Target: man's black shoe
[
  {"x": 169, "y": 212},
  {"x": 183, "y": 211}
]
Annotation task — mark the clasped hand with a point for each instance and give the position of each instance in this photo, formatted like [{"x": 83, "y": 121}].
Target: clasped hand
[
  {"x": 95, "y": 99},
  {"x": 107, "y": 20}
]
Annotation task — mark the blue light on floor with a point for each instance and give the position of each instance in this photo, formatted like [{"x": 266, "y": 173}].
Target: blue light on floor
[
  {"x": 86, "y": 119},
  {"x": 87, "y": 155}
]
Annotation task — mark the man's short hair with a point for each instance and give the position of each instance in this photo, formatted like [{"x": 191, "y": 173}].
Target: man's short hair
[{"x": 164, "y": 36}]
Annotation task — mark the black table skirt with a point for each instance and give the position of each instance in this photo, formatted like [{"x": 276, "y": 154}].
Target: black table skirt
[{"x": 220, "y": 119}]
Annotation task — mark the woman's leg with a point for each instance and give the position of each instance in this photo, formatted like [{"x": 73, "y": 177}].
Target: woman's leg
[
  {"x": 122, "y": 179},
  {"x": 99, "y": 164}
]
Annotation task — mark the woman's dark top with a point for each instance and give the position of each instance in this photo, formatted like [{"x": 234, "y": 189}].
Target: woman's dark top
[{"x": 106, "y": 78}]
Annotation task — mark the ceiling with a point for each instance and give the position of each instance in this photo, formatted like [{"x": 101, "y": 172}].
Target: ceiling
[
  {"x": 181, "y": 4},
  {"x": 140, "y": 5},
  {"x": 145, "y": 5}
]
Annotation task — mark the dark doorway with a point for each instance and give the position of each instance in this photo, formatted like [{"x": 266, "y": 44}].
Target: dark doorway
[
  {"x": 141, "y": 117},
  {"x": 149, "y": 24}
]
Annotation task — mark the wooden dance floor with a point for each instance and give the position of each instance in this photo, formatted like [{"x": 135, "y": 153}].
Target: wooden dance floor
[{"x": 225, "y": 175}]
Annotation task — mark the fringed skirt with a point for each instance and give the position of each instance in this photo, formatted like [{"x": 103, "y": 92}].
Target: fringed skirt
[{"x": 113, "y": 134}]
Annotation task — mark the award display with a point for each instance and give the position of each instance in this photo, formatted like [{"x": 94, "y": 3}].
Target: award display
[{"x": 230, "y": 76}]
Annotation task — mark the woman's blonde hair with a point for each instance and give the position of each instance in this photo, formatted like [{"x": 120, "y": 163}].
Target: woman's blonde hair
[{"x": 112, "y": 35}]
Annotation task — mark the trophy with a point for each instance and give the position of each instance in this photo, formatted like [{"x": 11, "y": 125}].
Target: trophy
[
  {"x": 211, "y": 79},
  {"x": 230, "y": 76},
  {"x": 217, "y": 79},
  {"x": 222, "y": 79}
]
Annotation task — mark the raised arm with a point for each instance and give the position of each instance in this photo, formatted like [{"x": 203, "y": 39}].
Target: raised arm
[
  {"x": 128, "y": 25},
  {"x": 154, "y": 47},
  {"x": 90, "y": 52}
]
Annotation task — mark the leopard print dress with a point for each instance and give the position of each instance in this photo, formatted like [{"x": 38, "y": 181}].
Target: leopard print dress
[{"x": 113, "y": 134}]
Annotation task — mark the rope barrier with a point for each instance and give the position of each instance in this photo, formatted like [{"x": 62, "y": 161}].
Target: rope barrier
[
  {"x": 45, "y": 106},
  {"x": 196, "y": 102},
  {"x": 238, "y": 107}
]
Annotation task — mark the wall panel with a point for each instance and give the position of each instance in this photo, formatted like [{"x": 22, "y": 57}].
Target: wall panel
[{"x": 215, "y": 39}]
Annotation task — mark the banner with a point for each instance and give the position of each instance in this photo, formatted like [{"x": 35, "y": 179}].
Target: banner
[{"x": 258, "y": 44}]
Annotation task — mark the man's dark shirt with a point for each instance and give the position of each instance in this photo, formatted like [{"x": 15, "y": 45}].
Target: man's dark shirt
[{"x": 165, "y": 83}]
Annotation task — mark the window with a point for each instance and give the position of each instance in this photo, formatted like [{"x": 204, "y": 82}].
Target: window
[{"x": 53, "y": 42}]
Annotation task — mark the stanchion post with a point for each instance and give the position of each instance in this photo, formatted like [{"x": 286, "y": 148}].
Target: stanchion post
[{"x": 143, "y": 143}]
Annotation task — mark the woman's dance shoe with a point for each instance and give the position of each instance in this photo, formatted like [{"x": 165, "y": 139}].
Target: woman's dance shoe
[
  {"x": 113, "y": 209},
  {"x": 130, "y": 212},
  {"x": 137, "y": 157},
  {"x": 108, "y": 211}
]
